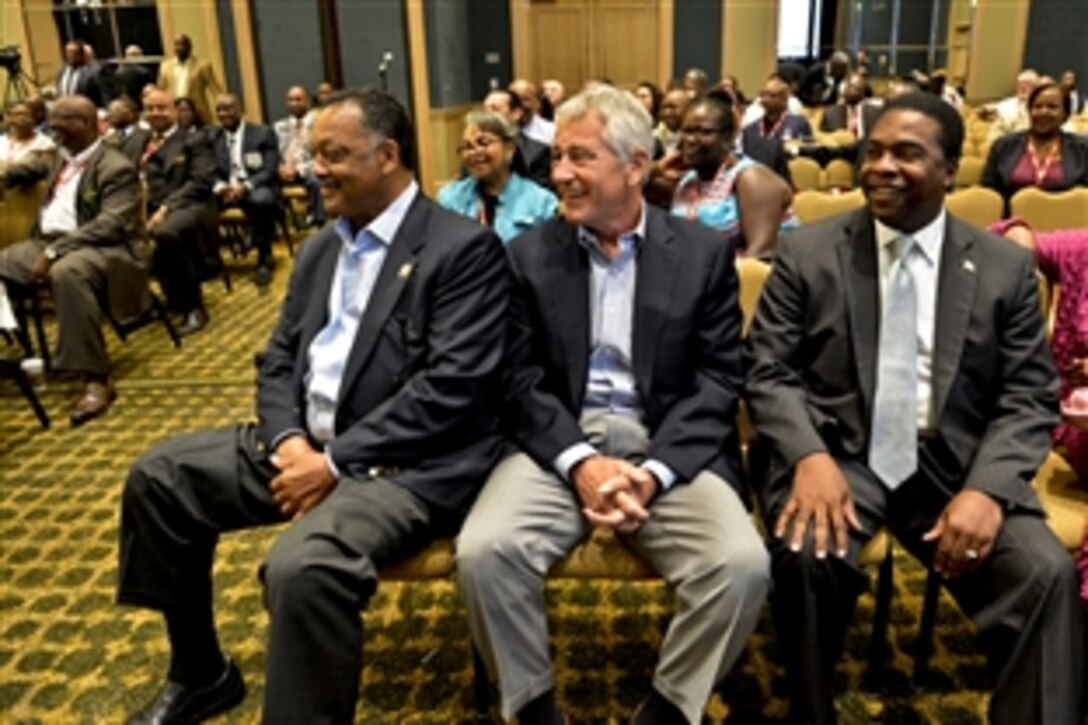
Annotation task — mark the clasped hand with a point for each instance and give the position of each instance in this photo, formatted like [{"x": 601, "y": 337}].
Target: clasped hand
[
  {"x": 614, "y": 493},
  {"x": 304, "y": 478}
]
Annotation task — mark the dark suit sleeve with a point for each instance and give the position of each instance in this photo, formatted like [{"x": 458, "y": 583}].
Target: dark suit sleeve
[
  {"x": 1017, "y": 437},
  {"x": 197, "y": 188},
  {"x": 269, "y": 149},
  {"x": 118, "y": 201},
  {"x": 991, "y": 174},
  {"x": 694, "y": 430},
  {"x": 465, "y": 342},
  {"x": 536, "y": 419},
  {"x": 776, "y": 394}
]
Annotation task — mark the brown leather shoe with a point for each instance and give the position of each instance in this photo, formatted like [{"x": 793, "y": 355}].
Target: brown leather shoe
[{"x": 95, "y": 401}]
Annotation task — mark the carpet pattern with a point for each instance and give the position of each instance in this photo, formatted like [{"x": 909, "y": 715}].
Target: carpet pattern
[{"x": 68, "y": 654}]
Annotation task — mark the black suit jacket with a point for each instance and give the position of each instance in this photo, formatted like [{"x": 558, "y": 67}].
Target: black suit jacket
[
  {"x": 834, "y": 118},
  {"x": 686, "y": 350},
  {"x": 89, "y": 83},
  {"x": 419, "y": 395},
  {"x": 767, "y": 151},
  {"x": 260, "y": 155},
  {"x": 180, "y": 173},
  {"x": 813, "y": 350},
  {"x": 132, "y": 145},
  {"x": 533, "y": 160},
  {"x": 1005, "y": 154}
]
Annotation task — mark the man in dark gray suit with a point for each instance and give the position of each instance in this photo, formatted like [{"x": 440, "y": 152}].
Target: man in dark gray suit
[
  {"x": 624, "y": 378},
  {"x": 247, "y": 176},
  {"x": 85, "y": 246},
  {"x": 376, "y": 426},
  {"x": 900, "y": 377}
]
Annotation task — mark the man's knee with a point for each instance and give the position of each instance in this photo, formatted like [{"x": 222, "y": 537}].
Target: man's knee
[
  {"x": 482, "y": 554},
  {"x": 301, "y": 573}
]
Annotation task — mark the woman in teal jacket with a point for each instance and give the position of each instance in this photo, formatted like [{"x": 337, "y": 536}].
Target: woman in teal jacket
[{"x": 492, "y": 192}]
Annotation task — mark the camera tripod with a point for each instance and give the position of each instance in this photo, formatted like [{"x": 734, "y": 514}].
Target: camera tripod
[{"x": 17, "y": 86}]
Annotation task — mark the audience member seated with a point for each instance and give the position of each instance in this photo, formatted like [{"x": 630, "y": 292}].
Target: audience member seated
[
  {"x": 939, "y": 86},
  {"x": 492, "y": 193},
  {"x": 532, "y": 125},
  {"x": 823, "y": 81},
  {"x": 874, "y": 406},
  {"x": 1044, "y": 155},
  {"x": 322, "y": 94},
  {"x": 83, "y": 246},
  {"x": 649, "y": 95},
  {"x": 189, "y": 118},
  {"x": 132, "y": 76},
  {"x": 533, "y": 159},
  {"x": 294, "y": 133},
  {"x": 775, "y": 118},
  {"x": 364, "y": 453},
  {"x": 854, "y": 113},
  {"x": 695, "y": 82},
  {"x": 1010, "y": 115},
  {"x": 23, "y": 143},
  {"x": 744, "y": 200},
  {"x": 1062, "y": 257},
  {"x": 179, "y": 170},
  {"x": 667, "y": 131},
  {"x": 1068, "y": 83},
  {"x": 555, "y": 93},
  {"x": 123, "y": 131},
  {"x": 622, "y": 401},
  {"x": 247, "y": 160}
]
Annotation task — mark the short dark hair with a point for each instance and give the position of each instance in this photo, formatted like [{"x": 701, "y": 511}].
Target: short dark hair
[
  {"x": 722, "y": 101},
  {"x": 383, "y": 115},
  {"x": 947, "y": 119},
  {"x": 1067, "y": 102},
  {"x": 513, "y": 98}
]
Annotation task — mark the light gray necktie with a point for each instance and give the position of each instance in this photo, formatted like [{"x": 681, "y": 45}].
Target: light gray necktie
[{"x": 893, "y": 444}]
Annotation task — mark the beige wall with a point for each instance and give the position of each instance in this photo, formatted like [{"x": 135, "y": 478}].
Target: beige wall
[
  {"x": 997, "y": 48},
  {"x": 749, "y": 41}
]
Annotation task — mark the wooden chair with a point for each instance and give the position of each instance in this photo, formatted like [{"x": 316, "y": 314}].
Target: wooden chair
[
  {"x": 1051, "y": 210},
  {"x": 18, "y": 212},
  {"x": 969, "y": 172},
  {"x": 812, "y": 206},
  {"x": 976, "y": 205},
  {"x": 806, "y": 173},
  {"x": 839, "y": 174}
]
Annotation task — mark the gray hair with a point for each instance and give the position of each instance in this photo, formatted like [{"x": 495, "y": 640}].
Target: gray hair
[
  {"x": 493, "y": 123},
  {"x": 628, "y": 127}
]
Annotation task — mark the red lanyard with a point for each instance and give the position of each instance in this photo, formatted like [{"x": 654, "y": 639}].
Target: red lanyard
[
  {"x": 67, "y": 170},
  {"x": 1042, "y": 167},
  {"x": 774, "y": 129}
]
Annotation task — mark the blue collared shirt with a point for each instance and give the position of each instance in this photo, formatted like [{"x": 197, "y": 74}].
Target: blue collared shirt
[
  {"x": 611, "y": 380},
  {"x": 361, "y": 257}
]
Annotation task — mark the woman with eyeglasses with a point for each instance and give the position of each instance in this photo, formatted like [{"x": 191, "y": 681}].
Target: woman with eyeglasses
[
  {"x": 743, "y": 199},
  {"x": 492, "y": 192}
]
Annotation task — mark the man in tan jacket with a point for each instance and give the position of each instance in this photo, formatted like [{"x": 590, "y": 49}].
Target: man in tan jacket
[{"x": 187, "y": 76}]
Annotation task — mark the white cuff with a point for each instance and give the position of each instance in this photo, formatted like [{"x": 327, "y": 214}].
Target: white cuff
[
  {"x": 569, "y": 458},
  {"x": 664, "y": 475}
]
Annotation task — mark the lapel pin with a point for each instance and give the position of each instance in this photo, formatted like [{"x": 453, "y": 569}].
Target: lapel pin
[
  {"x": 405, "y": 271},
  {"x": 968, "y": 266}
]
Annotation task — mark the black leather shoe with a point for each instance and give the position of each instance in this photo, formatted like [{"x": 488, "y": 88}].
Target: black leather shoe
[
  {"x": 176, "y": 704},
  {"x": 195, "y": 321}
]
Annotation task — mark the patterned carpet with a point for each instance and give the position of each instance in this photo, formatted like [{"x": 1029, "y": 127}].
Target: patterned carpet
[{"x": 69, "y": 655}]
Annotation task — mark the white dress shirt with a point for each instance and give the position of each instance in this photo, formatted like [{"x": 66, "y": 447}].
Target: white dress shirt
[
  {"x": 925, "y": 267},
  {"x": 59, "y": 211}
]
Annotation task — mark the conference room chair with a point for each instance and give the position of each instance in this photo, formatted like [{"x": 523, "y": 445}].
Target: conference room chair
[
  {"x": 976, "y": 205},
  {"x": 1051, "y": 210}
]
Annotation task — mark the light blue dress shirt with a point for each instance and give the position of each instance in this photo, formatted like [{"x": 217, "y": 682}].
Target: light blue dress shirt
[
  {"x": 611, "y": 380},
  {"x": 360, "y": 261}
]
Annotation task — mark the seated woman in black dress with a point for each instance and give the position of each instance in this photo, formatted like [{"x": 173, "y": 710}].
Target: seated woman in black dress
[{"x": 1044, "y": 156}]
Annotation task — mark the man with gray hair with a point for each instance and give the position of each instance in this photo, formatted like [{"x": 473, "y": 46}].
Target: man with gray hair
[{"x": 622, "y": 389}]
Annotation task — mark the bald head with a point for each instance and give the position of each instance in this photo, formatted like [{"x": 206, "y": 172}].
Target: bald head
[
  {"x": 298, "y": 101},
  {"x": 74, "y": 122},
  {"x": 159, "y": 110}
]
